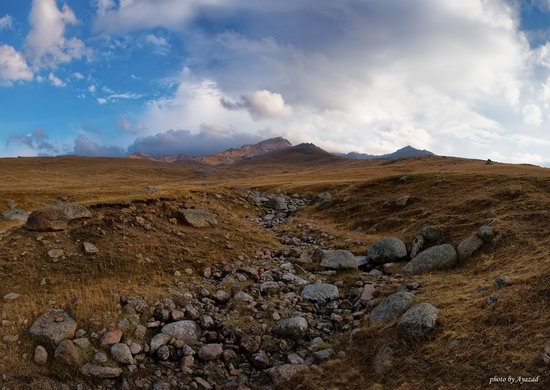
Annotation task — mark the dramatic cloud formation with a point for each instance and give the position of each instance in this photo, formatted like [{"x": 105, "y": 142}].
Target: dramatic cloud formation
[
  {"x": 193, "y": 144},
  {"x": 84, "y": 146},
  {"x": 46, "y": 42},
  {"x": 13, "y": 66},
  {"x": 260, "y": 104}
]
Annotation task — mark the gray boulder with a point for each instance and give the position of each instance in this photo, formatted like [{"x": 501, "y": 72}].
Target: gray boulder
[
  {"x": 387, "y": 250},
  {"x": 284, "y": 373},
  {"x": 320, "y": 293},
  {"x": 295, "y": 327},
  {"x": 418, "y": 322},
  {"x": 391, "y": 307},
  {"x": 338, "y": 259},
  {"x": 52, "y": 218},
  {"x": 468, "y": 246},
  {"x": 277, "y": 203},
  {"x": 199, "y": 218},
  {"x": 434, "y": 258},
  {"x": 54, "y": 326},
  {"x": 187, "y": 331},
  {"x": 122, "y": 354}
]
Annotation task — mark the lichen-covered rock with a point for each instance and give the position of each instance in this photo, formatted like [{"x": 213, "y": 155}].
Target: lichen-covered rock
[
  {"x": 295, "y": 327},
  {"x": 321, "y": 292},
  {"x": 199, "y": 218},
  {"x": 418, "y": 322},
  {"x": 387, "y": 250},
  {"x": 54, "y": 326},
  {"x": 57, "y": 217},
  {"x": 391, "y": 307},
  {"x": 434, "y": 258},
  {"x": 338, "y": 259},
  {"x": 186, "y": 331}
]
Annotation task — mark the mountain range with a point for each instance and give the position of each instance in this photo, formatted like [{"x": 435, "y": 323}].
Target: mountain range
[{"x": 273, "y": 147}]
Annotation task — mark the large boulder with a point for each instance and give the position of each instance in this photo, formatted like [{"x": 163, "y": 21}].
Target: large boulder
[
  {"x": 338, "y": 259},
  {"x": 418, "y": 322},
  {"x": 295, "y": 327},
  {"x": 434, "y": 258},
  {"x": 67, "y": 353},
  {"x": 186, "y": 331},
  {"x": 391, "y": 307},
  {"x": 320, "y": 292},
  {"x": 474, "y": 242},
  {"x": 57, "y": 217},
  {"x": 54, "y": 326},
  {"x": 277, "y": 203},
  {"x": 198, "y": 218},
  {"x": 387, "y": 250}
]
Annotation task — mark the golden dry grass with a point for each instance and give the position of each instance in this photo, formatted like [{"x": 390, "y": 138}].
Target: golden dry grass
[{"x": 472, "y": 344}]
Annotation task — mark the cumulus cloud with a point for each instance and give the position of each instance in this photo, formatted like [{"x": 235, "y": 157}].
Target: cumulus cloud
[
  {"x": 46, "y": 42},
  {"x": 209, "y": 140},
  {"x": 84, "y": 146},
  {"x": 37, "y": 141},
  {"x": 13, "y": 66},
  {"x": 6, "y": 22},
  {"x": 260, "y": 104}
]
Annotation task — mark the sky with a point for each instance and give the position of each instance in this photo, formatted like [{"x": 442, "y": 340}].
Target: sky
[{"x": 467, "y": 78}]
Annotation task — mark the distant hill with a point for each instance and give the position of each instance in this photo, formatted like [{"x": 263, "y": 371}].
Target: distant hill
[
  {"x": 232, "y": 155},
  {"x": 299, "y": 155},
  {"x": 406, "y": 152},
  {"x": 228, "y": 156}
]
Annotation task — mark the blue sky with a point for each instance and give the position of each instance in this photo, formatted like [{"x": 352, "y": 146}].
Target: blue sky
[{"x": 108, "y": 77}]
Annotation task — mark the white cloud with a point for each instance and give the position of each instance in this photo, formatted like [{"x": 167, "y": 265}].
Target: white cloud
[
  {"x": 532, "y": 114},
  {"x": 92, "y": 88},
  {"x": 261, "y": 104},
  {"x": 114, "y": 16},
  {"x": 78, "y": 76},
  {"x": 6, "y": 22},
  {"x": 13, "y": 66},
  {"x": 160, "y": 44},
  {"x": 101, "y": 101},
  {"x": 56, "y": 82},
  {"x": 46, "y": 42}
]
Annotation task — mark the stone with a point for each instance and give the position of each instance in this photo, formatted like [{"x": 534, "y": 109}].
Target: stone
[
  {"x": 203, "y": 383},
  {"x": 11, "y": 296},
  {"x": 101, "y": 372},
  {"x": 243, "y": 297},
  {"x": 468, "y": 246},
  {"x": 54, "y": 326},
  {"x": 57, "y": 217},
  {"x": 67, "y": 353},
  {"x": 82, "y": 343},
  {"x": 100, "y": 357},
  {"x": 431, "y": 234},
  {"x": 10, "y": 339},
  {"x": 269, "y": 287},
  {"x": 210, "y": 352},
  {"x": 163, "y": 353},
  {"x": 89, "y": 248},
  {"x": 221, "y": 296},
  {"x": 486, "y": 233},
  {"x": 402, "y": 201},
  {"x": 138, "y": 304},
  {"x": 40, "y": 355},
  {"x": 14, "y": 213},
  {"x": 294, "y": 279},
  {"x": 207, "y": 322},
  {"x": 122, "y": 354},
  {"x": 367, "y": 294},
  {"x": 321, "y": 292},
  {"x": 159, "y": 340},
  {"x": 56, "y": 253},
  {"x": 187, "y": 331},
  {"x": 392, "y": 268},
  {"x": 260, "y": 360},
  {"x": 387, "y": 250},
  {"x": 324, "y": 355},
  {"x": 199, "y": 218},
  {"x": 294, "y": 358},
  {"x": 295, "y": 327},
  {"x": 338, "y": 259},
  {"x": 391, "y": 307},
  {"x": 284, "y": 373},
  {"x": 418, "y": 323},
  {"x": 111, "y": 338},
  {"x": 277, "y": 203},
  {"x": 434, "y": 258},
  {"x": 501, "y": 281}
]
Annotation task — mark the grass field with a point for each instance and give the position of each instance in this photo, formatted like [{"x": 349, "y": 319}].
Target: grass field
[{"x": 473, "y": 343}]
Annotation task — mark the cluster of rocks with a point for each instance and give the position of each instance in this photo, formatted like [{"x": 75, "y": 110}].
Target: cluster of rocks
[{"x": 276, "y": 209}]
